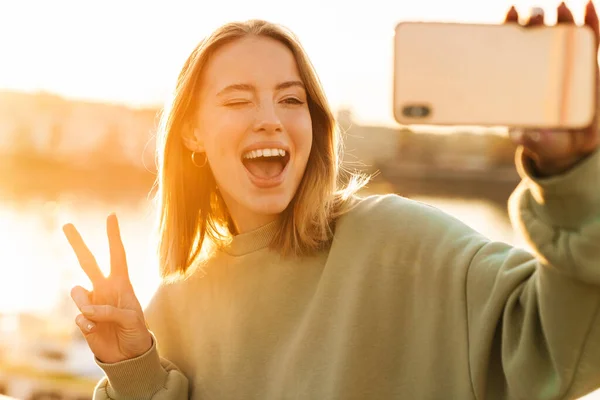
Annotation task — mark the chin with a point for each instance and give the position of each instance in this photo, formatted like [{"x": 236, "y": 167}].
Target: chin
[{"x": 269, "y": 204}]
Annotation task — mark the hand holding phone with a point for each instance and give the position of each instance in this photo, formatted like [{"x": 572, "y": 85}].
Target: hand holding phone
[{"x": 539, "y": 77}]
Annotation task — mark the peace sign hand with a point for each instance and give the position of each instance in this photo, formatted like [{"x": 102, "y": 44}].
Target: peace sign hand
[{"x": 112, "y": 320}]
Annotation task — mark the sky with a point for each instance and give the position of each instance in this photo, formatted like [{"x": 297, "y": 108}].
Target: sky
[{"x": 131, "y": 51}]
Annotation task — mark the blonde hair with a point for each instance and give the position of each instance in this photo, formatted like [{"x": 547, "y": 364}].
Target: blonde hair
[{"x": 190, "y": 207}]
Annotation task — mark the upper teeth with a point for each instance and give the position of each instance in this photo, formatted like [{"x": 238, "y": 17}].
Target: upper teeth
[{"x": 265, "y": 153}]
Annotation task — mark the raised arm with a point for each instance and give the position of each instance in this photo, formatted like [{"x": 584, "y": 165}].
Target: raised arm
[{"x": 533, "y": 323}]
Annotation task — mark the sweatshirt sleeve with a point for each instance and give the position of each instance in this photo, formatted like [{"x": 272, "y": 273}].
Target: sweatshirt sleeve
[
  {"x": 143, "y": 378},
  {"x": 149, "y": 376},
  {"x": 533, "y": 322}
]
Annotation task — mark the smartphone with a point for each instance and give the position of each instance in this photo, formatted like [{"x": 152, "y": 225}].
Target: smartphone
[{"x": 494, "y": 75}]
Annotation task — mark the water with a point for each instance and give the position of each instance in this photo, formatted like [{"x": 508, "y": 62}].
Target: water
[
  {"x": 39, "y": 266},
  {"x": 485, "y": 217}
]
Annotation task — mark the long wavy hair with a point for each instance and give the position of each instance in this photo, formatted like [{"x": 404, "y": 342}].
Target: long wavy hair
[{"x": 193, "y": 217}]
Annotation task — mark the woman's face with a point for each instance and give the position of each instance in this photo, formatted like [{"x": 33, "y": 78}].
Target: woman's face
[{"x": 254, "y": 124}]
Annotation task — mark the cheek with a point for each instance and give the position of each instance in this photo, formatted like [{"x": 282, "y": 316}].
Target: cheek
[
  {"x": 218, "y": 153},
  {"x": 223, "y": 137},
  {"x": 300, "y": 129}
]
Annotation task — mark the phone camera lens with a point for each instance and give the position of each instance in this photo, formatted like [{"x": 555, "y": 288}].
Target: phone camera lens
[{"x": 416, "y": 111}]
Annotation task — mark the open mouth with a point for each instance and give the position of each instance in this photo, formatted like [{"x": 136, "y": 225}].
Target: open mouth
[{"x": 266, "y": 164}]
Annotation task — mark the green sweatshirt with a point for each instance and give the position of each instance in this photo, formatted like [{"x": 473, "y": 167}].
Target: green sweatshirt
[{"x": 407, "y": 303}]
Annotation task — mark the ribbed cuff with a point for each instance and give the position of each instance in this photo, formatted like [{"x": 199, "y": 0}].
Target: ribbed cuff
[
  {"x": 138, "y": 378},
  {"x": 568, "y": 200}
]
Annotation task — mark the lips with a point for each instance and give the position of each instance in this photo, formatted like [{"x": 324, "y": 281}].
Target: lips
[{"x": 266, "y": 164}]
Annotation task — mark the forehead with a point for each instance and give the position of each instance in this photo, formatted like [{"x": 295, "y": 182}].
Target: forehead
[{"x": 257, "y": 61}]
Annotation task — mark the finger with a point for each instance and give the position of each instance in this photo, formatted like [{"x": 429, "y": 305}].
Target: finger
[
  {"x": 591, "y": 19},
  {"x": 512, "y": 16},
  {"x": 517, "y": 135},
  {"x": 81, "y": 297},
  {"x": 532, "y": 139},
  {"x": 107, "y": 313},
  {"x": 553, "y": 147},
  {"x": 84, "y": 255},
  {"x": 564, "y": 15},
  {"x": 118, "y": 259},
  {"x": 583, "y": 142},
  {"x": 536, "y": 18},
  {"x": 85, "y": 325}
]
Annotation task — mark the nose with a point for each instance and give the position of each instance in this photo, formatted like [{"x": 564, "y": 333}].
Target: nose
[{"x": 267, "y": 119}]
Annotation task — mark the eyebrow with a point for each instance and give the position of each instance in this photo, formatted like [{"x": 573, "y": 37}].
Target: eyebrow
[{"x": 250, "y": 88}]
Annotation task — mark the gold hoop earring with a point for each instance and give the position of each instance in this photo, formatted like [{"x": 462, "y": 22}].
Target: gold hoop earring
[{"x": 196, "y": 163}]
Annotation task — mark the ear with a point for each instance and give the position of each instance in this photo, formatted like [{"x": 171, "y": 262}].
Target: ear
[{"x": 192, "y": 139}]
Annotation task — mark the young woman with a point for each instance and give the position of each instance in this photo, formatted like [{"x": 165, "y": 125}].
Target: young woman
[{"x": 282, "y": 284}]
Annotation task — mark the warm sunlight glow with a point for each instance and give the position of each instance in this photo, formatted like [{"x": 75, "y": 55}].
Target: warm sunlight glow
[
  {"x": 39, "y": 267},
  {"x": 82, "y": 85},
  {"x": 131, "y": 51}
]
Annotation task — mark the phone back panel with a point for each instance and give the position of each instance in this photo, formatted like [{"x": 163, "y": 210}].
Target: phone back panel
[{"x": 494, "y": 75}]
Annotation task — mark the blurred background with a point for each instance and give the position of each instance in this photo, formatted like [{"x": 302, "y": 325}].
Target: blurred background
[{"x": 81, "y": 87}]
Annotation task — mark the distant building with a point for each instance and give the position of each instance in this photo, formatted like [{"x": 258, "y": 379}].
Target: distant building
[
  {"x": 366, "y": 147},
  {"x": 369, "y": 148},
  {"x": 75, "y": 130}
]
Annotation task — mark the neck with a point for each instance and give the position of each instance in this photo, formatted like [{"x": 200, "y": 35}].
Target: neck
[
  {"x": 251, "y": 223},
  {"x": 250, "y": 241}
]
